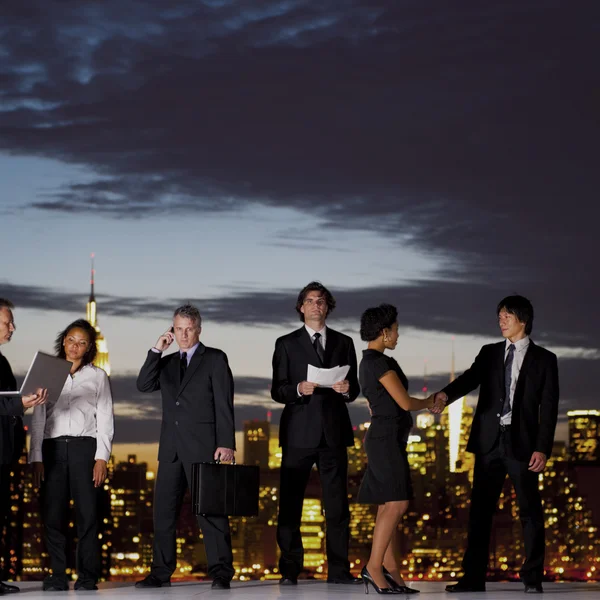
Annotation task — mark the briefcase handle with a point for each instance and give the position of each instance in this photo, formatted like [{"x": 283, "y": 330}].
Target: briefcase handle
[{"x": 218, "y": 462}]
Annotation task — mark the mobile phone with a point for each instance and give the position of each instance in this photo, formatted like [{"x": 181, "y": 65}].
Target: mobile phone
[{"x": 172, "y": 330}]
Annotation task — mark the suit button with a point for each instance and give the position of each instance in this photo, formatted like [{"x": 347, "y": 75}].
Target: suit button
[
  {"x": 497, "y": 414},
  {"x": 177, "y": 422},
  {"x": 501, "y": 399},
  {"x": 176, "y": 403}
]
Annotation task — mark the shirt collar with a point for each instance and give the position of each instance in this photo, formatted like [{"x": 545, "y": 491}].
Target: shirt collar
[
  {"x": 190, "y": 352},
  {"x": 312, "y": 332},
  {"x": 520, "y": 346}
]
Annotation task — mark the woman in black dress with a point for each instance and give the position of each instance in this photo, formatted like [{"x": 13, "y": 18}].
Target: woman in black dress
[{"x": 387, "y": 478}]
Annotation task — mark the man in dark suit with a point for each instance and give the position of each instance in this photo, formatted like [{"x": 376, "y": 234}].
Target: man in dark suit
[
  {"x": 512, "y": 433},
  {"x": 197, "y": 426},
  {"x": 12, "y": 435},
  {"x": 315, "y": 428}
]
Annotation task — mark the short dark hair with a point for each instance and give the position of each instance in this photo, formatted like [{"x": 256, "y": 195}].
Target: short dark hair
[
  {"x": 90, "y": 355},
  {"x": 374, "y": 320},
  {"x": 4, "y": 303},
  {"x": 520, "y": 307},
  {"x": 314, "y": 286},
  {"x": 189, "y": 311}
]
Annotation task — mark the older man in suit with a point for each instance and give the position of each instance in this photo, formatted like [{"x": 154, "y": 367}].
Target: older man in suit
[
  {"x": 315, "y": 428},
  {"x": 197, "y": 426},
  {"x": 12, "y": 435},
  {"x": 512, "y": 433}
]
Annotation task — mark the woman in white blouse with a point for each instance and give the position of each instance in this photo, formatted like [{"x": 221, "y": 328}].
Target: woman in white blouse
[{"x": 71, "y": 442}]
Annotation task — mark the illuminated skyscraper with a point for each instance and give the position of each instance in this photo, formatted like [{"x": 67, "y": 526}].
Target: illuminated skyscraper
[
  {"x": 92, "y": 317},
  {"x": 256, "y": 443},
  {"x": 457, "y": 419},
  {"x": 130, "y": 543},
  {"x": 584, "y": 431}
]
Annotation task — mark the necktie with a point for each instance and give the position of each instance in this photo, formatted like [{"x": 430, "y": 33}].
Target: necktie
[
  {"x": 508, "y": 363},
  {"x": 318, "y": 347},
  {"x": 182, "y": 366}
]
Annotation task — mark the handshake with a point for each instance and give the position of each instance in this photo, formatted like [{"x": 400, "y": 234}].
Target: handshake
[{"x": 437, "y": 402}]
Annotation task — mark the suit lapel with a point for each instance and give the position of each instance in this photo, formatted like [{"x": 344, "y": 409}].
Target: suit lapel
[
  {"x": 330, "y": 346},
  {"x": 304, "y": 341},
  {"x": 194, "y": 364},
  {"x": 527, "y": 362},
  {"x": 499, "y": 363}
]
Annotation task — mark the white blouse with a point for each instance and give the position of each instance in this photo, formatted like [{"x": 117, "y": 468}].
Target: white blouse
[{"x": 84, "y": 408}]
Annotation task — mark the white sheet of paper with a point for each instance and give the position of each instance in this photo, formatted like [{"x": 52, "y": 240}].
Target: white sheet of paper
[{"x": 326, "y": 377}]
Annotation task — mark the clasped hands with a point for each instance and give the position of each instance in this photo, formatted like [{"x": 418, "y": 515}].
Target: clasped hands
[
  {"x": 439, "y": 400},
  {"x": 306, "y": 388}
]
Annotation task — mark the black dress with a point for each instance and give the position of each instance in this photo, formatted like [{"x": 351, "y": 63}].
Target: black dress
[{"x": 387, "y": 477}]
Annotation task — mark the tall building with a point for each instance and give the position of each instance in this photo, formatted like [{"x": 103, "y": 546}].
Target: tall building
[
  {"x": 13, "y": 531},
  {"x": 34, "y": 557},
  {"x": 131, "y": 499},
  {"x": 457, "y": 418},
  {"x": 584, "y": 432},
  {"x": 92, "y": 317},
  {"x": 256, "y": 443}
]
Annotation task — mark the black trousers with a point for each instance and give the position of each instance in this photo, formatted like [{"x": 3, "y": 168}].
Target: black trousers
[
  {"x": 296, "y": 465},
  {"x": 68, "y": 467},
  {"x": 490, "y": 472},
  {"x": 172, "y": 481},
  {"x": 5, "y": 521}
]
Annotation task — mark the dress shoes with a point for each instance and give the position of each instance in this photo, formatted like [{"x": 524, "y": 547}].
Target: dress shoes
[
  {"x": 55, "y": 584},
  {"x": 534, "y": 588},
  {"x": 463, "y": 586},
  {"x": 346, "y": 579},
  {"x": 86, "y": 585},
  {"x": 152, "y": 582},
  {"x": 8, "y": 589},
  {"x": 220, "y": 583},
  {"x": 288, "y": 581}
]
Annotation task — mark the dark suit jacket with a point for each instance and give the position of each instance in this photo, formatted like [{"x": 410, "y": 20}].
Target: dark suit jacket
[
  {"x": 306, "y": 419},
  {"x": 198, "y": 414},
  {"x": 535, "y": 404},
  {"x": 12, "y": 434}
]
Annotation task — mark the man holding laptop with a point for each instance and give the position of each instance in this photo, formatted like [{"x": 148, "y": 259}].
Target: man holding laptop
[{"x": 12, "y": 435}]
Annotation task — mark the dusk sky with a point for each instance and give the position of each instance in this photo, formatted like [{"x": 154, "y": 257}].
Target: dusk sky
[{"x": 435, "y": 155}]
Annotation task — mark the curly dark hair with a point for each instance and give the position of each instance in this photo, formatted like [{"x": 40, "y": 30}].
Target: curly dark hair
[
  {"x": 374, "y": 320},
  {"x": 314, "y": 286},
  {"x": 520, "y": 307},
  {"x": 90, "y": 355}
]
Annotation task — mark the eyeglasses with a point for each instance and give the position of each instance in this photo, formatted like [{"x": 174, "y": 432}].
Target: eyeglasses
[{"x": 315, "y": 301}]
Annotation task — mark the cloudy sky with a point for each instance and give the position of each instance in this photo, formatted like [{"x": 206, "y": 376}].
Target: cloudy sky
[{"x": 434, "y": 155}]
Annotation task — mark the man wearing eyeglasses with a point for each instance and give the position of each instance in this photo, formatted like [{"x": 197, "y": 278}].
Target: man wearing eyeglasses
[{"x": 315, "y": 428}]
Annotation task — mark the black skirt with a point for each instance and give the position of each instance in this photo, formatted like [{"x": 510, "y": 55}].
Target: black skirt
[{"x": 387, "y": 478}]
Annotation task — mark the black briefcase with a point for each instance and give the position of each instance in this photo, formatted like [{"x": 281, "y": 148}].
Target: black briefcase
[{"x": 220, "y": 489}]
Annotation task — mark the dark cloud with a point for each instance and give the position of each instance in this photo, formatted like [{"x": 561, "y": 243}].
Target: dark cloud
[
  {"x": 466, "y": 132},
  {"x": 447, "y": 307}
]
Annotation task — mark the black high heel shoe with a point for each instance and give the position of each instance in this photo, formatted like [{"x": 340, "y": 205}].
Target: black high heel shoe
[
  {"x": 366, "y": 577},
  {"x": 399, "y": 589}
]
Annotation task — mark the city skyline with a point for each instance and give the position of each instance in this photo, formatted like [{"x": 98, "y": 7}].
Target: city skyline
[
  {"x": 227, "y": 152},
  {"x": 434, "y": 528}
]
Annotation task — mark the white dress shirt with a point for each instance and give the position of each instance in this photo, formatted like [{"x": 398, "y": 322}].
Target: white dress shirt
[
  {"x": 322, "y": 341},
  {"x": 84, "y": 408},
  {"x": 518, "y": 357}
]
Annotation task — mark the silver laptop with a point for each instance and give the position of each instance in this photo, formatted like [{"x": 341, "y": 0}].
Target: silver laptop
[{"x": 46, "y": 371}]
